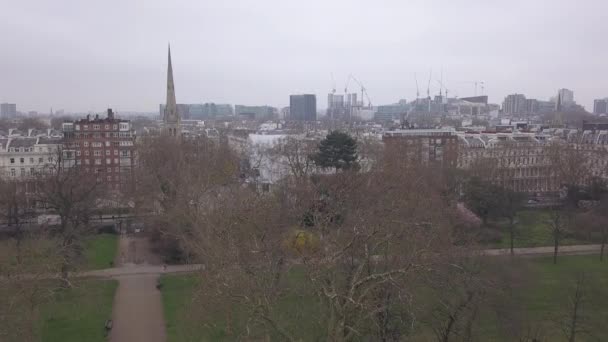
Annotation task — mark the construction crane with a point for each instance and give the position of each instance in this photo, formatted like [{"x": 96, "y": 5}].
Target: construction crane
[
  {"x": 441, "y": 85},
  {"x": 428, "y": 86},
  {"x": 333, "y": 84},
  {"x": 428, "y": 90},
  {"x": 476, "y": 83},
  {"x": 363, "y": 90}
]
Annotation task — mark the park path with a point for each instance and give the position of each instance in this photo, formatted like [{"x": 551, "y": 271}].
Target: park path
[{"x": 137, "y": 313}]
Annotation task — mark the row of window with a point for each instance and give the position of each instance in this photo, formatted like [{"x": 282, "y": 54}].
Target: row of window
[
  {"x": 100, "y": 144},
  {"x": 126, "y": 134},
  {"x": 99, "y": 153},
  {"x": 23, "y": 172},
  {"x": 29, "y": 149},
  {"x": 97, "y": 127},
  {"x": 96, "y": 161},
  {"x": 32, "y": 160}
]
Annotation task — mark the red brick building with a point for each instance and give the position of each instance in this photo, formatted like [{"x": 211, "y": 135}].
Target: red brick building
[{"x": 105, "y": 146}]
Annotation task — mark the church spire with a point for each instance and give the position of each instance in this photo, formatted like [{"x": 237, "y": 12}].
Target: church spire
[{"x": 171, "y": 116}]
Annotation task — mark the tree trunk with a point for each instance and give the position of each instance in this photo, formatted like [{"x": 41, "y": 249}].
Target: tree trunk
[
  {"x": 512, "y": 235},
  {"x": 604, "y": 238},
  {"x": 555, "y": 247}
]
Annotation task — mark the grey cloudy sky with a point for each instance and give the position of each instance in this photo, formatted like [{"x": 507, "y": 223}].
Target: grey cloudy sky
[{"x": 87, "y": 55}]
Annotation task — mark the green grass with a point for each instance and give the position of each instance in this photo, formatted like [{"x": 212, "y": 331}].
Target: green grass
[
  {"x": 532, "y": 230},
  {"x": 78, "y": 314},
  {"x": 297, "y": 310},
  {"x": 544, "y": 296},
  {"x": 100, "y": 251}
]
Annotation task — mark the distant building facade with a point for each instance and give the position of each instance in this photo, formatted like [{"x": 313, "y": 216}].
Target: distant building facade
[
  {"x": 514, "y": 104},
  {"x": 8, "y": 110},
  {"x": 600, "y": 106},
  {"x": 255, "y": 112},
  {"x": 103, "y": 146},
  {"x": 22, "y": 158},
  {"x": 427, "y": 146},
  {"x": 303, "y": 107}
]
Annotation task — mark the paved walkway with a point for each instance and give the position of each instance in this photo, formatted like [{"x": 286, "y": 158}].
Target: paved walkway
[
  {"x": 137, "y": 313},
  {"x": 545, "y": 251}
]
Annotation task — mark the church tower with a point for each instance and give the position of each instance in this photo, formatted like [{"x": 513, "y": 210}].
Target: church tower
[{"x": 171, "y": 117}]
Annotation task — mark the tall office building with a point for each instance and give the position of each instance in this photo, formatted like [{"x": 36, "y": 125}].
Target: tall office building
[
  {"x": 566, "y": 96},
  {"x": 514, "y": 104},
  {"x": 303, "y": 107},
  {"x": 8, "y": 110},
  {"x": 600, "y": 106}
]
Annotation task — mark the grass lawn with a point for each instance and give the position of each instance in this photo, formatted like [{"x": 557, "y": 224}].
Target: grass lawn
[
  {"x": 298, "y": 312},
  {"x": 99, "y": 251},
  {"x": 78, "y": 314},
  {"x": 544, "y": 298},
  {"x": 532, "y": 230}
]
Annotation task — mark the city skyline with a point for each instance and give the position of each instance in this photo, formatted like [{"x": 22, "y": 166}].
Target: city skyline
[{"x": 88, "y": 57}]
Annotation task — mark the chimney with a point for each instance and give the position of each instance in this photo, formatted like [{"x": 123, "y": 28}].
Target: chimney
[
  {"x": 110, "y": 114},
  {"x": 88, "y": 117}
]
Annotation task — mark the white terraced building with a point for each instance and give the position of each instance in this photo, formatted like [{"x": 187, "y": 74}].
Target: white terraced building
[{"x": 24, "y": 157}]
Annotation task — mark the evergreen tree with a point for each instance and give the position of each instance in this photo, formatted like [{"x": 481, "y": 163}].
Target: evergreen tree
[{"x": 338, "y": 150}]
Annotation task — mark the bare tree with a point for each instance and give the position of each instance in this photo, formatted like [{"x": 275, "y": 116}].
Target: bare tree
[
  {"x": 294, "y": 154},
  {"x": 572, "y": 320},
  {"x": 15, "y": 209},
  {"x": 558, "y": 225},
  {"x": 24, "y": 286},
  {"x": 72, "y": 193}
]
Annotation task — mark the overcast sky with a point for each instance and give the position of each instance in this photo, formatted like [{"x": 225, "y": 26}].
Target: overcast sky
[{"x": 84, "y": 55}]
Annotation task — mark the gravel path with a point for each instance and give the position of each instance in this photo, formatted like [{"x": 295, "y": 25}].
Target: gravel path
[{"x": 138, "y": 311}]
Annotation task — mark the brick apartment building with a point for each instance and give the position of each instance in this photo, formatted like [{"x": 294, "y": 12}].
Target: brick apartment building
[
  {"x": 428, "y": 146},
  {"x": 105, "y": 146}
]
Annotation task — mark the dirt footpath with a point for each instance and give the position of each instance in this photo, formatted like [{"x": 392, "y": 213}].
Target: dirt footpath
[{"x": 138, "y": 312}]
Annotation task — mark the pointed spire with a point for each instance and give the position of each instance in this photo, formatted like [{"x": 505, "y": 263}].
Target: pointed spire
[{"x": 171, "y": 115}]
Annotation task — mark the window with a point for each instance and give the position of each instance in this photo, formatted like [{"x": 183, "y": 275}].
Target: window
[
  {"x": 95, "y": 127},
  {"x": 13, "y": 173},
  {"x": 108, "y": 161},
  {"x": 117, "y": 169},
  {"x": 115, "y": 160},
  {"x": 98, "y": 161},
  {"x": 96, "y": 144},
  {"x": 115, "y": 152},
  {"x": 77, "y": 127},
  {"x": 125, "y": 153},
  {"x": 22, "y": 172},
  {"x": 78, "y": 161},
  {"x": 31, "y": 160},
  {"x": 40, "y": 160},
  {"x": 86, "y": 152},
  {"x": 12, "y": 160},
  {"x": 108, "y": 152},
  {"x": 86, "y": 127},
  {"x": 109, "y": 170},
  {"x": 22, "y": 160},
  {"x": 32, "y": 172},
  {"x": 114, "y": 126},
  {"x": 97, "y": 153},
  {"x": 109, "y": 178},
  {"x": 78, "y": 153},
  {"x": 86, "y": 162},
  {"x": 107, "y": 126}
]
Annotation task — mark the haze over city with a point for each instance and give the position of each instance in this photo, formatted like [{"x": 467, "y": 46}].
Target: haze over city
[{"x": 87, "y": 56}]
